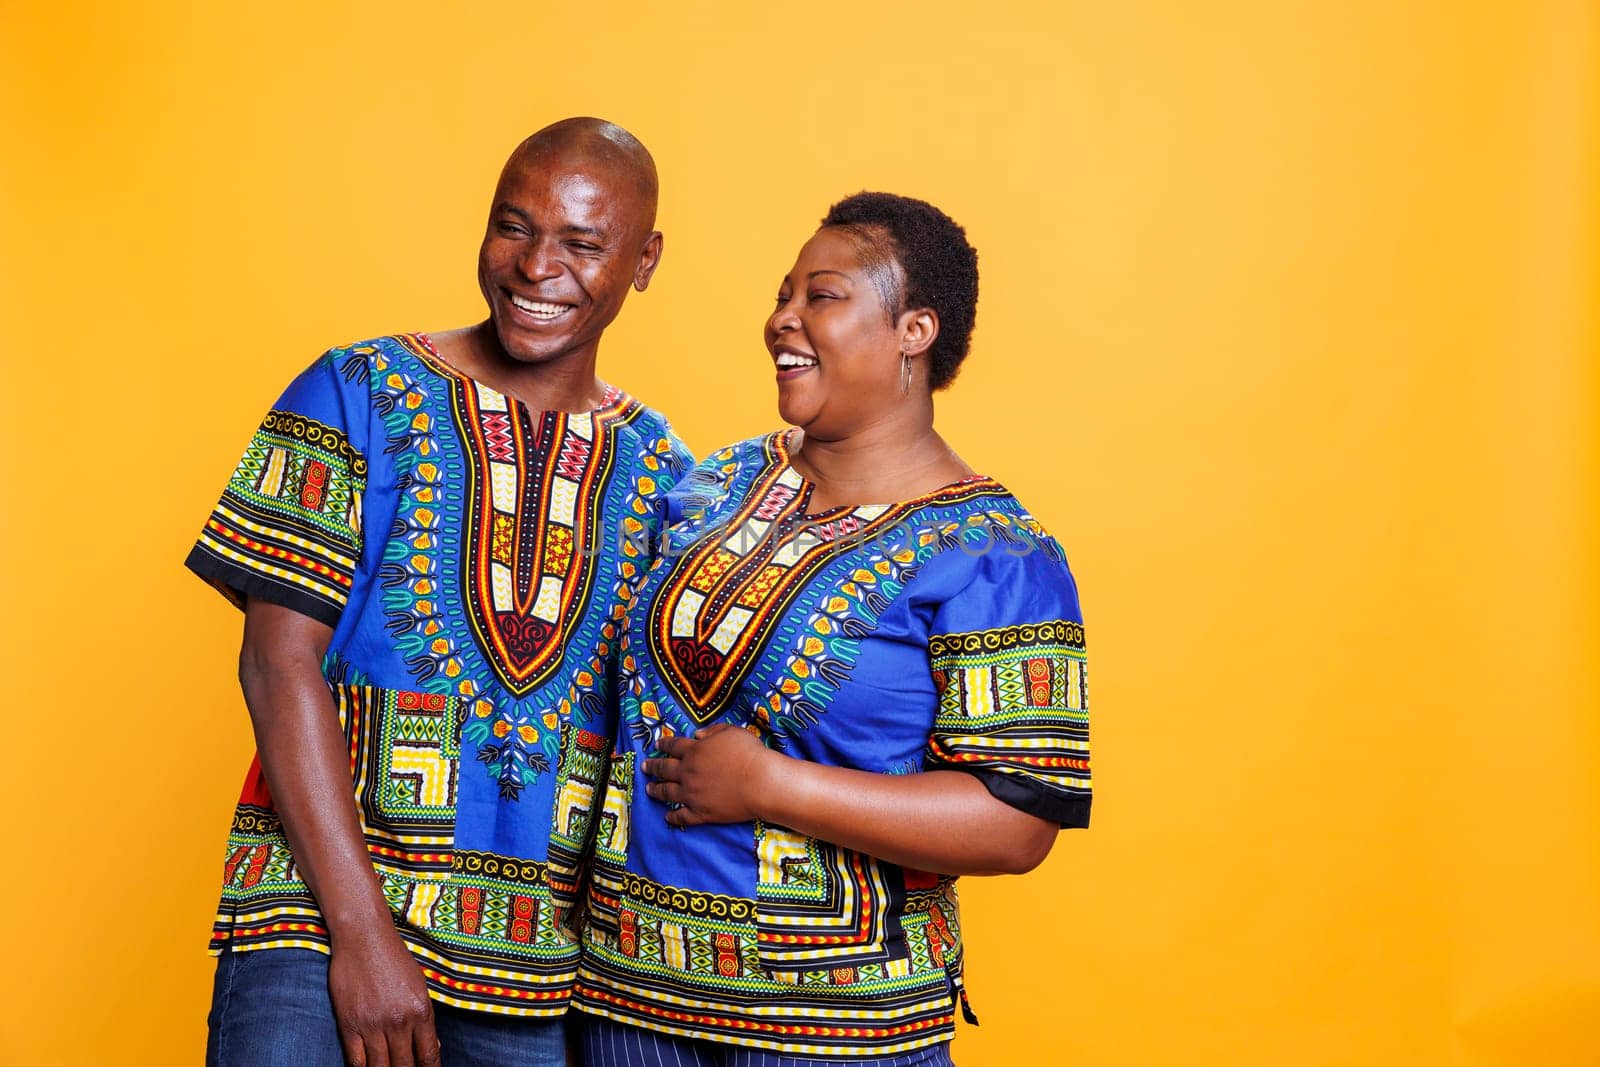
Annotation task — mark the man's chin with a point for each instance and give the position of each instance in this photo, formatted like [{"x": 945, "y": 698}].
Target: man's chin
[{"x": 522, "y": 348}]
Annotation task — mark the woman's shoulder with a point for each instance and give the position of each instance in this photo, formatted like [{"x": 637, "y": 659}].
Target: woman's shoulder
[
  {"x": 721, "y": 478},
  {"x": 730, "y": 463},
  {"x": 761, "y": 449},
  {"x": 990, "y": 546},
  {"x": 981, "y": 511}
]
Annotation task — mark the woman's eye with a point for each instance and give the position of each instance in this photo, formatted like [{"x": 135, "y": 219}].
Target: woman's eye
[{"x": 814, "y": 297}]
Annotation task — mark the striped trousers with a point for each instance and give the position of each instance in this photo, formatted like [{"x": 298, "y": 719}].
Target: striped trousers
[{"x": 609, "y": 1044}]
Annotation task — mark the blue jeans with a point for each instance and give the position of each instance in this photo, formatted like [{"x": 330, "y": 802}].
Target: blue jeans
[
  {"x": 609, "y": 1044},
  {"x": 270, "y": 1008}
]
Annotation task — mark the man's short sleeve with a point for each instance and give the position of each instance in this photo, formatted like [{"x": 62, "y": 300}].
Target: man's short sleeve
[
  {"x": 288, "y": 527},
  {"x": 1007, "y": 656}
]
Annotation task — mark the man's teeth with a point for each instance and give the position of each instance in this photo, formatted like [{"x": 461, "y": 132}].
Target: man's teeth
[
  {"x": 790, "y": 359},
  {"x": 537, "y": 307}
]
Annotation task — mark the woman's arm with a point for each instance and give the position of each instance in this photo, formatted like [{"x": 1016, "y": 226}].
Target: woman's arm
[
  {"x": 379, "y": 997},
  {"x": 940, "y": 821}
]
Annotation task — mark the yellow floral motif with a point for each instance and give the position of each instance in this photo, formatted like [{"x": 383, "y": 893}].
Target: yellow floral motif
[
  {"x": 711, "y": 571},
  {"x": 760, "y": 589},
  {"x": 557, "y": 549}
]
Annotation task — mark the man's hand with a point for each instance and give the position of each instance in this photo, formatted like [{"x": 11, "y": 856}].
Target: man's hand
[
  {"x": 380, "y": 1002},
  {"x": 717, "y": 775}
]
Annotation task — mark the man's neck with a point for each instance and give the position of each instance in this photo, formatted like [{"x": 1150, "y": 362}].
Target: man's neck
[{"x": 565, "y": 383}]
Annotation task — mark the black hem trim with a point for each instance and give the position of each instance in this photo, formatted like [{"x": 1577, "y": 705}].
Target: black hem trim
[
  {"x": 1033, "y": 797},
  {"x": 238, "y": 584}
]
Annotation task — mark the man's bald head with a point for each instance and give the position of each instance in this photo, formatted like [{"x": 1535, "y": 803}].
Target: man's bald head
[
  {"x": 570, "y": 231},
  {"x": 595, "y": 142}
]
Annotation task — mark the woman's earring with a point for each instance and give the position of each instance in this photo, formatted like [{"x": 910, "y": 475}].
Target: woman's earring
[{"x": 905, "y": 374}]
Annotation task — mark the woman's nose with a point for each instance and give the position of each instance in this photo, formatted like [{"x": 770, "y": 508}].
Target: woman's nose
[{"x": 783, "y": 318}]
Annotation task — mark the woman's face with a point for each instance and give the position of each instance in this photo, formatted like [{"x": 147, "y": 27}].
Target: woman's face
[{"x": 833, "y": 341}]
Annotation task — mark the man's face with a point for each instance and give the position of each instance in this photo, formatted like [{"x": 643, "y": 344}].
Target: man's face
[{"x": 566, "y": 238}]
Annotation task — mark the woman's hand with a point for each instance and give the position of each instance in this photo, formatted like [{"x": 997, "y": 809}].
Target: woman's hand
[
  {"x": 940, "y": 820},
  {"x": 716, "y": 775}
]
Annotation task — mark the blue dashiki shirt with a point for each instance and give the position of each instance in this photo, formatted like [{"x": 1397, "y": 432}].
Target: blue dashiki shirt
[
  {"x": 942, "y": 632},
  {"x": 470, "y": 555}
]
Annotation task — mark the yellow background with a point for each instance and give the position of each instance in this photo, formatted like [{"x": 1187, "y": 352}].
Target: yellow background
[{"x": 1288, "y": 331}]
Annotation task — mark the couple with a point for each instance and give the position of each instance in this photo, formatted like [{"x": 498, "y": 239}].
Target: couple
[{"x": 696, "y": 749}]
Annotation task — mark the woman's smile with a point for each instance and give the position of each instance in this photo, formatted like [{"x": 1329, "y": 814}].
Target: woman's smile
[{"x": 793, "y": 363}]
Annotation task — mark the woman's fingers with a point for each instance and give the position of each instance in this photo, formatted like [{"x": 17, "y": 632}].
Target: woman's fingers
[
  {"x": 666, "y": 792},
  {"x": 681, "y": 817},
  {"x": 663, "y": 770},
  {"x": 676, "y": 745}
]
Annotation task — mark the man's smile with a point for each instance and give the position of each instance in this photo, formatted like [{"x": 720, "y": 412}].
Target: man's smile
[{"x": 541, "y": 310}]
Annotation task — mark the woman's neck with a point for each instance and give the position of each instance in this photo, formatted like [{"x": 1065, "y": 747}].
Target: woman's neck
[{"x": 881, "y": 463}]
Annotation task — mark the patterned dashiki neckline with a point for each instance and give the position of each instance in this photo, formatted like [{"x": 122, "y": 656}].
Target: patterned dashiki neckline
[
  {"x": 785, "y": 457},
  {"x": 729, "y": 592},
  {"x": 612, "y": 399},
  {"x": 523, "y": 582}
]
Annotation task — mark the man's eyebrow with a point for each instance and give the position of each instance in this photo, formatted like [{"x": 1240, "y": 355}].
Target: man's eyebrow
[{"x": 579, "y": 231}]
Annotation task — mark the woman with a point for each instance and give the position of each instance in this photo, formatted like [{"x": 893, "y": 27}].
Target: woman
[{"x": 831, "y": 706}]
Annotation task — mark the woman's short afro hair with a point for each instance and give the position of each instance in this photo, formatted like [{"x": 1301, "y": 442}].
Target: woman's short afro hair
[{"x": 940, "y": 267}]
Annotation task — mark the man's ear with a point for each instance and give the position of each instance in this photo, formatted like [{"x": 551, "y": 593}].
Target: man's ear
[{"x": 648, "y": 262}]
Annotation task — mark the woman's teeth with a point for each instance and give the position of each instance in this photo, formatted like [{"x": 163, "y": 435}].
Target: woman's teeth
[
  {"x": 787, "y": 360},
  {"x": 537, "y": 308}
]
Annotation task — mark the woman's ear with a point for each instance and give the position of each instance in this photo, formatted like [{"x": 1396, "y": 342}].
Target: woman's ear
[{"x": 918, "y": 329}]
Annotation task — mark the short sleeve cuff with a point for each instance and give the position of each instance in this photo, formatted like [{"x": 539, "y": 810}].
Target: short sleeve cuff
[
  {"x": 239, "y": 583},
  {"x": 1034, "y": 797}
]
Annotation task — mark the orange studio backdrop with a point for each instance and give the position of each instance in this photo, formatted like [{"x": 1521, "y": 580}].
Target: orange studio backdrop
[{"x": 1288, "y": 332}]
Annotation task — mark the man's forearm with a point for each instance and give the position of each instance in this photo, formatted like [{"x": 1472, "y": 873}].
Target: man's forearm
[{"x": 307, "y": 765}]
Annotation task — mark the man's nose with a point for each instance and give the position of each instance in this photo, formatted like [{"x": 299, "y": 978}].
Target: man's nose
[{"x": 539, "y": 261}]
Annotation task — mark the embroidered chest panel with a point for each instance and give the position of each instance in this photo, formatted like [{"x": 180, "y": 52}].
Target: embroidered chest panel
[
  {"x": 729, "y": 592},
  {"x": 531, "y": 527}
]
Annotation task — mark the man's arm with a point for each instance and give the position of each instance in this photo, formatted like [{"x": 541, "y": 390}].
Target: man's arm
[
  {"x": 379, "y": 997},
  {"x": 940, "y": 821}
]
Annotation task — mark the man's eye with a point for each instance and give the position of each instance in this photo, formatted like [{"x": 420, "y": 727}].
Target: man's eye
[
  {"x": 511, "y": 229},
  {"x": 582, "y": 246}
]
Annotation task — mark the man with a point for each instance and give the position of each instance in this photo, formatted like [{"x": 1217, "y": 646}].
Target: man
[{"x": 431, "y": 538}]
